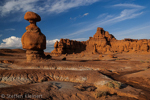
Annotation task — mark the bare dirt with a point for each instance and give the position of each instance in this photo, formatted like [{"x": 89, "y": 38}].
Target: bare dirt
[{"x": 123, "y": 76}]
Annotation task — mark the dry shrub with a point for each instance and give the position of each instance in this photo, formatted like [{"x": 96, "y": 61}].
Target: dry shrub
[
  {"x": 114, "y": 84},
  {"x": 66, "y": 54},
  {"x": 101, "y": 94}
]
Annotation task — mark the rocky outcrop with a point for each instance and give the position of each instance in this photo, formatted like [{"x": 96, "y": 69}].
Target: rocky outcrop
[
  {"x": 102, "y": 42},
  {"x": 33, "y": 40},
  {"x": 130, "y": 45},
  {"x": 99, "y": 43},
  {"x": 68, "y": 46}
]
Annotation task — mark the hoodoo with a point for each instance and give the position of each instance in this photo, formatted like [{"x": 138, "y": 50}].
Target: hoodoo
[{"x": 33, "y": 40}]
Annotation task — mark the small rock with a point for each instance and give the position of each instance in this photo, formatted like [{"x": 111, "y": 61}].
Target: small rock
[
  {"x": 64, "y": 58},
  {"x": 91, "y": 88},
  {"x": 111, "y": 56},
  {"x": 48, "y": 57}
]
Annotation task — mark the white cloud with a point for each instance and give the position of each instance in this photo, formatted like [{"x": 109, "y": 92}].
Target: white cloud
[
  {"x": 63, "y": 5},
  {"x": 128, "y": 6},
  {"x": 80, "y": 16},
  {"x": 10, "y": 29},
  {"x": 1, "y": 35},
  {"x": 50, "y": 43},
  {"x": 85, "y": 14},
  {"x": 13, "y": 6},
  {"x": 130, "y": 11},
  {"x": 49, "y": 49},
  {"x": 15, "y": 42},
  {"x": 38, "y": 6},
  {"x": 11, "y": 42}
]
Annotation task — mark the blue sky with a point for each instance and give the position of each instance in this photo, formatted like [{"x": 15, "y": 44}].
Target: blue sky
[{"x": 74, "y": 19}]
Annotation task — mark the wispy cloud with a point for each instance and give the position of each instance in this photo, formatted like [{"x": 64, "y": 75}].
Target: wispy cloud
[
  {"x": 10, "y": 29},
  {"x": 130, "y": 11},
  {"x": 134, "y": 32},
  {"x": 85, "y": 14},
  {"x": 102, "y": 15},
  {"x": 13, "y": 6},
  {"x": 80, "y": 16},
  {"x": 1, "y": 35},
  {"x": 105, "y": 16},
  {"x": 128, "y": 6},
  {"x": 47, "y": 6}
]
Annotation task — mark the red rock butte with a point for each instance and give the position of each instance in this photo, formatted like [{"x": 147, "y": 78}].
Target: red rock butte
[
  {"x": 101, "y": 42},
  {"x": 33, "y": 40}
]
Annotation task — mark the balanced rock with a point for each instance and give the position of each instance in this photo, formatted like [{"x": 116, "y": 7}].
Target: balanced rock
[{"x": 33, "y": 40}]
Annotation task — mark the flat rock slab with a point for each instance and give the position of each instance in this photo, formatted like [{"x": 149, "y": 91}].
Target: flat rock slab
[
  {"x": 141, "y": 78},
  {"x": 24, "y": 76}
]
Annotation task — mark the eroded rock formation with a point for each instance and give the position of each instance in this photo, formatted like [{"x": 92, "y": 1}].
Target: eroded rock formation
[
  {"x": 68, "y": 46},
  {"x": 33, "y": 40},
  {"x": 102, "y": 42}
]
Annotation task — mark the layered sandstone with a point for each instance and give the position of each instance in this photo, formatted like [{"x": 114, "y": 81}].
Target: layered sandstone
[
  {"x": 33, "y": 40},
  {"x": 102, "y": 42},
  {"x": 68, "y": 46}
]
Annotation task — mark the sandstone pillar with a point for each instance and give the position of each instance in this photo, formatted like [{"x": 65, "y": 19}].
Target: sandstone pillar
[{"x": 33, "y": 40}]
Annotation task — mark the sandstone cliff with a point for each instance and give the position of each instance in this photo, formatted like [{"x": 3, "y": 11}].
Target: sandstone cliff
[
  {"x": 68, "y": 46},
  {"x": 101, "y": 42}
]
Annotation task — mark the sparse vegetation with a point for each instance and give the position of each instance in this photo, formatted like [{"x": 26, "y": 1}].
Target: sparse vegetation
[
  {"x": 66, "y": 54},
  {"x": 118, "y": 59},
  {"x": 147, "y": 61},
  {"x": 114, "y": 84},
  {"x": 101, "y": 94},
  {"x": 142, "y": 61}
]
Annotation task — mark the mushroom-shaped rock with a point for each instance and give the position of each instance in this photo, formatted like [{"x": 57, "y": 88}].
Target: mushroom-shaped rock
[
  {"x": 33, "y": 40},
  {"x": 31, "y": 16}
]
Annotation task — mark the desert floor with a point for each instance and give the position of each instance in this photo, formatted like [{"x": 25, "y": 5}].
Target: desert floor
[{"x": 83, "y": 76}]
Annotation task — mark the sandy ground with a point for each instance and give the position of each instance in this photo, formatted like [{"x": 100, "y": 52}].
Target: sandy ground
[{"x": 81, "y": 76}]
